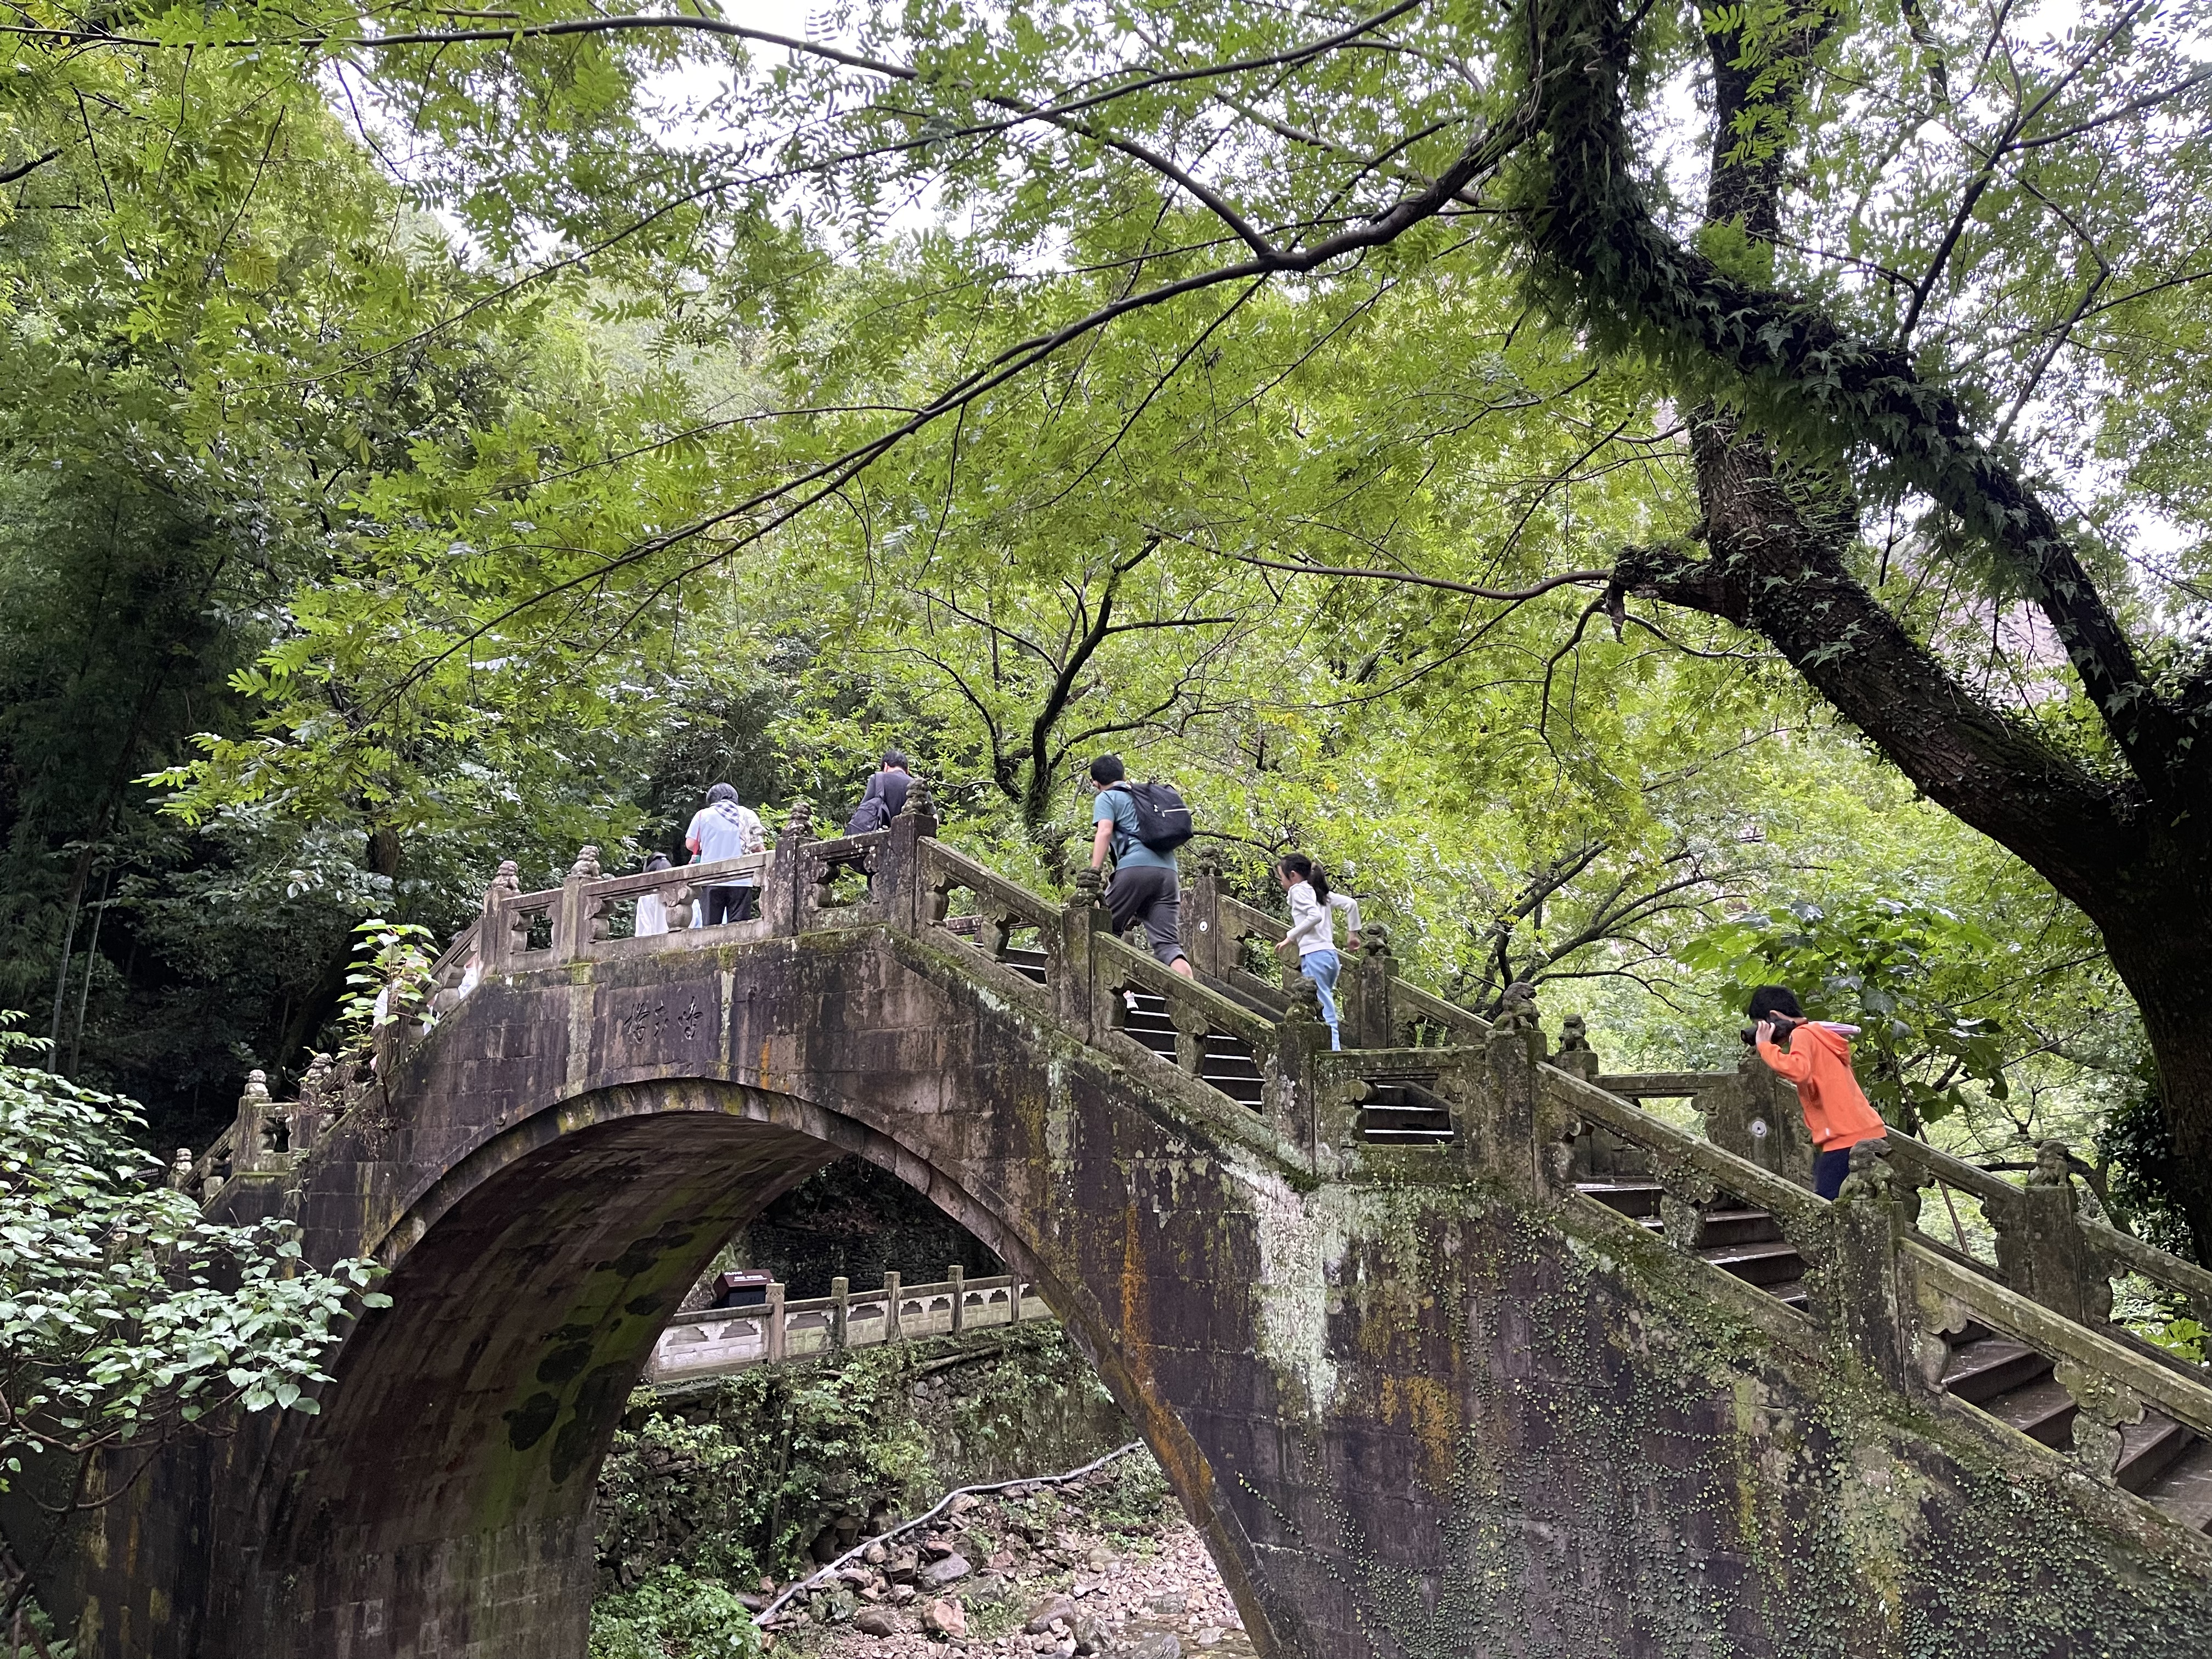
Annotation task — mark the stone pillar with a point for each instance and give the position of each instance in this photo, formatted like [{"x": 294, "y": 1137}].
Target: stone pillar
[
  {"x": 790, "y": 872},
  {"x": 1202, "y": 941},
  {"x": 892, "y": 1332},
  {"x": 497, "y": 940},
  {"x": 308, "y": 1119},
  {"x": 2041, "y": 1250},
  {"x": 1868, "y": 1313},
  {"x": 772, "y": 1325},
  {"x": 1755, "y": 1114},
  {"x": 180, "y": 1177},
  {"x": 897, "y": 889},
  {"x": 1080, "y": 918},
  {"x": 1576, "y": 1054},
  {"x": 958, "y": 1276},
  {"x": 1365, "y": 993},
  {"x": 841, "y": 1299},
  {"x": 251, "y": 1148},
  {"x": 1291, "y": 1102},
  {"x": 576, "y": 922},
  {"x": 1494, "y": 1122}
]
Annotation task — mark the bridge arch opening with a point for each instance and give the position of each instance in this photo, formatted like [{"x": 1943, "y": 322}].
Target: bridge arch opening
[{"x": 459, "y": 1442}]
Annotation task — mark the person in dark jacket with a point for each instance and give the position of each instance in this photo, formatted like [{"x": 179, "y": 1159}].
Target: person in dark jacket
[{"x": 885, "y": 798}]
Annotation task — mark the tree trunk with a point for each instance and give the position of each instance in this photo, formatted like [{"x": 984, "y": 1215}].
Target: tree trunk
[{"x": 1778, "y": 540}]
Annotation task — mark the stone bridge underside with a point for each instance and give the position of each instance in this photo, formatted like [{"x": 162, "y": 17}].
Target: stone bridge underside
[{"x": 1427, "y": 1403}]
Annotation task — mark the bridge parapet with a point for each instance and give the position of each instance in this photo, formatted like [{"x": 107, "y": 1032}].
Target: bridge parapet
[{"x": 1393, "y": 1345}]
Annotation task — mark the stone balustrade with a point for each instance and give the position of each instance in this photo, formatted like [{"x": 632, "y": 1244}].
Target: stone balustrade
[
  {"x": 1419, "y": 1078},
  {"x": 710, "y": 1342}
]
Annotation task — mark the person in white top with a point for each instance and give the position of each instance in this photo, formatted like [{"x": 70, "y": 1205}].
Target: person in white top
[
  {"x": 723, "y": 829},
  {"x": 652, "y": 911},
  {"x": 1312, "y": 937}
]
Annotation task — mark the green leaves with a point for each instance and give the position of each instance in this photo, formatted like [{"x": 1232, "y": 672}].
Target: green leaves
[
  {"x": 122, "y": 1310},
  {"x": 1902, "y": 969}
]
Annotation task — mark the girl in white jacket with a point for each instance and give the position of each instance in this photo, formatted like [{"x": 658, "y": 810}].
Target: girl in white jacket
[{"x": 1313, "y": 930}]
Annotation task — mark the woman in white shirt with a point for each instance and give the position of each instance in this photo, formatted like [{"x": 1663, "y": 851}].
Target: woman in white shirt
[
  {"x": 1313, "y": 930},
  {"x": 652, "y": 910}
]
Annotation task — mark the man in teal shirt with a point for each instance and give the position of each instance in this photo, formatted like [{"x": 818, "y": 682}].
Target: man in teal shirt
[{"x": 1145, "y": 887}]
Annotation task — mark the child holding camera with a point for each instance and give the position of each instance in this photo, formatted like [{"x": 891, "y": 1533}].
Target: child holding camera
[{"x": 1818, "y": 1059}]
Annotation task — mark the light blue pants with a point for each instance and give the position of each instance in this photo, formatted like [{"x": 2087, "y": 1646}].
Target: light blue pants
[{"x": 1322, "y": 966}]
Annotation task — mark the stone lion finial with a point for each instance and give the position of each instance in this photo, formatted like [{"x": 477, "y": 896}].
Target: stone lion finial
[
  {"x": 799, "y": 824},
  {"x": 920, "y": 803},
  {"x": 586, "y": 867},
  {"x": 2054, "y": 1161},
  {"x": 257, "y": 1089},
  {"x": 1516, "y": 1010}
]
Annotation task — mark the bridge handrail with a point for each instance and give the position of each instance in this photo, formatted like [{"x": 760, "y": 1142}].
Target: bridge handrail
[
  {"x": 1404, "y": 993},
  {"x": 2091, "y": 1363},
  {"x": 1223, "y": 1014},
  {"x": 450, "y": 960},
  {"x": 721, "y": 872},
  {"x": 1680, "y": 1152},
  {"x": 1240, "y": 921},
  {"x": 941, "y": 862},
  {"x": 2161, "y": 1267},
  {"x": 1940, "y": 1166}
]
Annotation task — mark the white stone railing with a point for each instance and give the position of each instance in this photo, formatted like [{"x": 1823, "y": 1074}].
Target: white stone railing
[{"x": 710, "y": 1342}]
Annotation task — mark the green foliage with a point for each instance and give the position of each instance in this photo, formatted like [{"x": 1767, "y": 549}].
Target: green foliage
[
  {"x": 393, "y": 964},
  {"x": 1901, "y": 969},
  {"x": 744, "y": 1478},
  {"x": 2137, "y": 1144},
  {"x": 672, "y": 1616},
  {"x": 125, "y": 1314}
]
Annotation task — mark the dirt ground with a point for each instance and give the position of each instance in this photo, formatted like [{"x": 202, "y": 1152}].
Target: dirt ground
[{"x": 1096, "y": 1570}]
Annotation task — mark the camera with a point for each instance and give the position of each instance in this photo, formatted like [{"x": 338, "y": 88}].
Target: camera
[{"x": 1783, "y": 1024}]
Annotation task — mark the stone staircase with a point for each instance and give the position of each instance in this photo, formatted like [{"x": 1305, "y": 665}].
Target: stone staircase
[{"x": 2026, "y": 1340}]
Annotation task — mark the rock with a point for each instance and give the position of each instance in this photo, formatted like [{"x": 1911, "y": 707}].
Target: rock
[
  {"x": 1001, "y": 1562},
  {"x": 904, "y": 1566},
  {"x": 1042, "y": 1615},
  {"x": 1090, "y": 1633},
  {"x": 986, "y": 1588},
  {"x": 1209, "y": 1637},
  {"x": 879, "y": 1622},
  {"x": 961, "y": 1504},
  {"x": 944, "y": 1619},
  {"x": 937, "y": 1548},
  {"x": 877, "y": 1555},
  {"x": 1174, "y": 1602},
  {"x": 1099, "y": 1558},
  {"x": 950, "y": 1570},
  {"x": 902, "y": 1594},
  {"x": 1160, "y": 1645}
]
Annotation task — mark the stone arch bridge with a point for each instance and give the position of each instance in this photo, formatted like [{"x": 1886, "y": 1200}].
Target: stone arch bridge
[{"x": 1447, "y": 1347}]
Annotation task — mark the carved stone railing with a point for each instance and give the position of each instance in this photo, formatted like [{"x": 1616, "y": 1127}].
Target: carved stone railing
[
  {"x": 710, "y": 1342},
  {"x": 1882, "y": 1292},
  {"x": 2112, "y": 1383},
  {"x": 1692, "y": 1173}
]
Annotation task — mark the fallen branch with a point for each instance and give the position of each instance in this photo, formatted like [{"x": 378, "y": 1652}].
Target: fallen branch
[{"x": 829, "y": 1571}]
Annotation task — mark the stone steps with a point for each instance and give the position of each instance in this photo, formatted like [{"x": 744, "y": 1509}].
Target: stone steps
[{"x": 2159, "y": 1460}]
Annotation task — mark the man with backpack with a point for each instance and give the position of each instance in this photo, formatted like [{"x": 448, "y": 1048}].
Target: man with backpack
[
  {"x": 884, "y": 798},
  {"x": 1141, "y": 824}
]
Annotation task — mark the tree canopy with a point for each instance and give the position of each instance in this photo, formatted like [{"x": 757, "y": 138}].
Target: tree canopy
[{"x": 1590, "y": 475}]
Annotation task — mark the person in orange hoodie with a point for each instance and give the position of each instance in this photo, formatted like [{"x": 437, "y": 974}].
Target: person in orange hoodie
[{"x": 1819, "y": 1061}]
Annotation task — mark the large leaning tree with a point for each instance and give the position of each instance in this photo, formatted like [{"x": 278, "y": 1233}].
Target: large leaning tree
[{"x": 1915, "y": 296}]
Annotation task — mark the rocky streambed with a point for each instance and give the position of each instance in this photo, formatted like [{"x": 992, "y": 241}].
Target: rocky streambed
[{"x": 1105, "y": 1567}]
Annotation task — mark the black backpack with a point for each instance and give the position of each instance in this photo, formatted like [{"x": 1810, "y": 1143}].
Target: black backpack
[{"x": 1163, "y": 820}]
